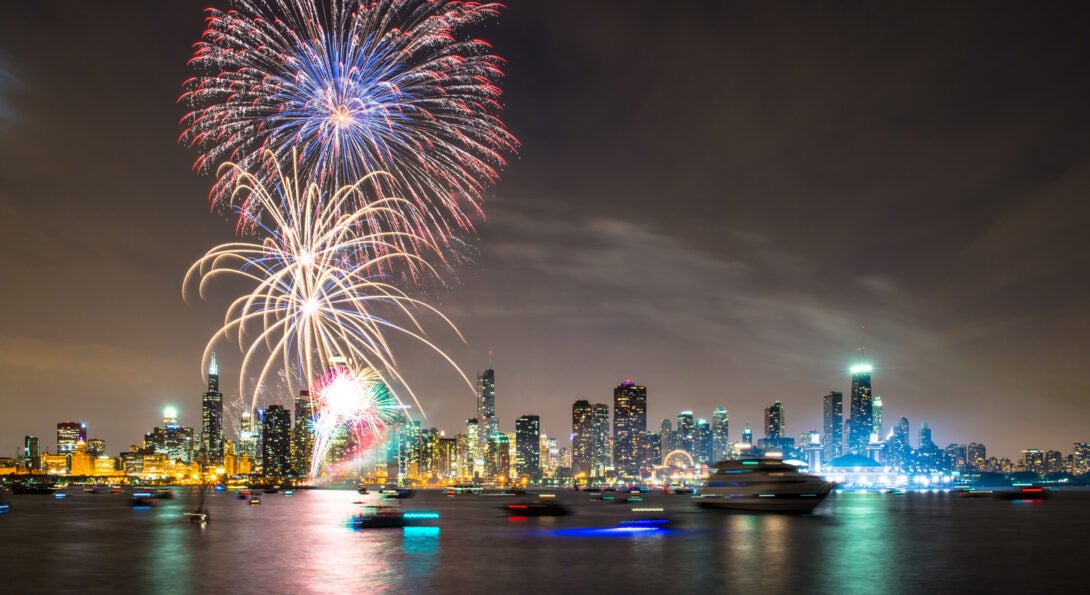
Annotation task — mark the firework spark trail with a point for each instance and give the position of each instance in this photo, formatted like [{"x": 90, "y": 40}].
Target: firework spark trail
[
  {"x": 359, "y": 402},
  {"x": 320, "y": 284},
  {"x": 384, "y": 85}
]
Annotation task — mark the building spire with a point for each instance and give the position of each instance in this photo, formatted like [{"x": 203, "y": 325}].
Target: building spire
[{"x": 213, "y": 369}]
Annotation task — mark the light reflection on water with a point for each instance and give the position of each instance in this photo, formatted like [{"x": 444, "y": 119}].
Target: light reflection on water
[{"x": 856, "y": 542}]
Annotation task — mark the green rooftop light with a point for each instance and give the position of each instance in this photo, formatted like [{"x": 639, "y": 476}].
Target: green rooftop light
[{"x": 862, "y": 369}]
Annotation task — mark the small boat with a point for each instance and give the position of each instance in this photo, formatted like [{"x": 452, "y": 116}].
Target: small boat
[
  {"x": 463, "y": 489},
  {"x": 196, "y": 517},
  {"x": 1028, "y": 493},
  {"x": 392, "y": 492},
  {"x": 244, "y": 494},
  {"x": 289, "y": 492},
  {"x": 388, "y": 517},
  {"x": 4, "y": 508},
  {"x": 762, "y": 485},
  {"x": 143, "y": 500},
  {"x": 536, "y": 508},
  {"x": 362, "y": 489},
  {"x": 33, "y": 488},
  {"x": 200, "y": 515},
  {"x": 254, "y": 501},
  {"x": 164, "y": 495}
]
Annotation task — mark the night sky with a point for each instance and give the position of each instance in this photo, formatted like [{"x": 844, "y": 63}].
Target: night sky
[{"x": 712, "y": 198}]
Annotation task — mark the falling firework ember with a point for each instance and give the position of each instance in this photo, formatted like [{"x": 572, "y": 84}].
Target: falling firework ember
[{"x": 321, "y": 287}]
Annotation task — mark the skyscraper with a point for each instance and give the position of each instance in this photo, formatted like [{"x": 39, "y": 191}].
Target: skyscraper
[
  {"x": 486, "y": 408},
  {"x": 774, "y": 421},
  {"x": 861, "y": 425},
  {"x": 629, "y": 426},
  {"x": 599, "y": 421},
  {"x": 302, "y": 435},
  {"x": 528, "y": 446},
  {"x": 747, "y": 435},
  {"x": 669, "y": 437},
  {"x": 212, "y": 417},
  {"x": 1080, "y": 458},
  {"x": 32, "y": 452},
  {"x": 248, "y": 436},
  {"x": 720, "y": 435},
  {"x": 275, "y": 441},
  {"x": 172, "y": 440},
  {"x": 683, "y": 440},
  {"x": 582, "y": 438},
  {"x": 877, "y": 431},
  {"x": 68, "y": 434},
  {"x": 702, "y": 443},
  {"x": 832, "y": 435}
]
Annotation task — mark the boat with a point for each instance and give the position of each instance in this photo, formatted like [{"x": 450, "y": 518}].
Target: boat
[
  {"x": 762, "y": 485},
  {"x": 464, "y": 488},
  {"x": 33, "y": 488},
  {"x": 393, "y": 492},
  {"x": 536, "y": 508},
  {"x": 200, "y": 514},
  {"x": 254, "y": 501},
  {"x": 1031, "y": 493},
  {"x": 362, "y": 489},
  {"x": 143, "y": 500},
  {"x": 388, "y": 517}
]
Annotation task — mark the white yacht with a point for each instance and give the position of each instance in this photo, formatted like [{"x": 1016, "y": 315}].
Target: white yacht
[{"x": 762, "y": 485}]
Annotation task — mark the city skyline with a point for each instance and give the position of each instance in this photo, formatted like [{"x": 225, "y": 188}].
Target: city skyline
[
  {"x": 835, "y": 439},
  {"x": 724, "y": 254}
]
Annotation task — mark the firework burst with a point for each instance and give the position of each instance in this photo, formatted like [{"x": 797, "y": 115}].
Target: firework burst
[
  {"x": 383, "y": 85},
  {"x": 321, "y": 289},
  {"x": 359, "y": 403}
]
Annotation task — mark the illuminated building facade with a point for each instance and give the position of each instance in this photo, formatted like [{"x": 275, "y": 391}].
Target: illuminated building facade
[
  {"x": 212, "y": 435},
  {"x": 976, "y": 457},
  {"x": 877, "y": 418},
  {"x": 528, "y": 447},
  {"x": 747, "y": 435},
  {"x": 302, "y": 435},
  {"x": 684, "y": 437},
  {"x": 669, "y": 437},
  {"x": 32, "y": 452},
  {"x": 1080, "y": 458},
  {"x": 775, "y": 425},
  {"x": 861, "y": 424},
  {"x": 720, "y": 435},
  {"x": 171, "y": 440},
  {"x": 702, "y": 443},
  {"x": 833, "y": 428},
  {"x": 486, "y": 406},
  {"x": 68, "y": 434},
  {"x": 582, "y": 438},
  {"x": 498, "y": 456},
  {"x": 600, "y": 430},
  {"x": 275, "y": 441},
  {"x": 629, "y": 426},
  {"x": 96, "y": 447}
]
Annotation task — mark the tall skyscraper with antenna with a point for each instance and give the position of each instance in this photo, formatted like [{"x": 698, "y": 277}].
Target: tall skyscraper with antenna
[
  {"x": 212, "y": 418},
  {"x": 861, "y": 425}
]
